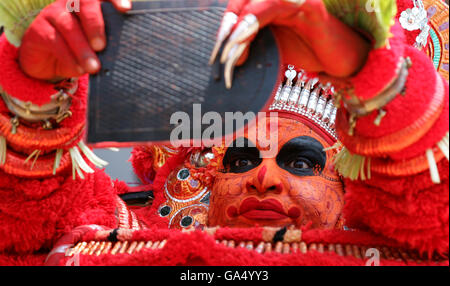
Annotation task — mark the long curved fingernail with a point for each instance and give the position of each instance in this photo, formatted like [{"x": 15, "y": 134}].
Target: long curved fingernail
[
  {"x": 214, "y": 52},
  {"x": 251, "y": 30},
  {"x": 245, "y": 29},
  {"x": 228, "y": 21},
  {"x": 235, "y": 54}
]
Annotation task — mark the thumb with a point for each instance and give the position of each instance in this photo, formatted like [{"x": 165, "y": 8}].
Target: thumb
[{"x": 121, "y": 5}]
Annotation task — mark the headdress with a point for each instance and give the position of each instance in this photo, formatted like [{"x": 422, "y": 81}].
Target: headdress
[{"x": 308, "y": 99}]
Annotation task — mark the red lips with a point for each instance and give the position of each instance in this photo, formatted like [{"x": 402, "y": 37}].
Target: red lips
[{"x": 269, "y": 209}]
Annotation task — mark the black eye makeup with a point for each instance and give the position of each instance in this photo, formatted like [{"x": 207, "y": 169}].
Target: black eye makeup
[
  {"x": 302, "y": 156},
  {"x": 241, "y": 159}
]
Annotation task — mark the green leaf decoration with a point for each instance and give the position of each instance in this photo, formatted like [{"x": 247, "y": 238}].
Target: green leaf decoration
[
  {"x": 17, "y": 15},
  {"x": 374, "y": 17}
]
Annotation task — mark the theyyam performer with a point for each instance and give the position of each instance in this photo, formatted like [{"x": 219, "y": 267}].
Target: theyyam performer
[{"x": 361, "y": 164}]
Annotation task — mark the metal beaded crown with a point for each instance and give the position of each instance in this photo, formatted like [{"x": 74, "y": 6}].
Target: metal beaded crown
[{"x": 308, "y": 98}]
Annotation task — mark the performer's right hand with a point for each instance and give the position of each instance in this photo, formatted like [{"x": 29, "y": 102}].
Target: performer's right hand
[
  {"x": 309, "y": 36},
  {"x": 62, "y": 44}
]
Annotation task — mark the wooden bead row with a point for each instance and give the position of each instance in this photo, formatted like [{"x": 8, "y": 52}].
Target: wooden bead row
[
  {"x": 105, "y": 247},
  {"x": 356, "y": 251}
]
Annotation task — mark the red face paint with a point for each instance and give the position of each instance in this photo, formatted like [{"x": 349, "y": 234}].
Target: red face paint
[
  {"x": 261, "y": 174},
  {"x": 270, "y": 209},
  {"x": 271, "y": 196}
]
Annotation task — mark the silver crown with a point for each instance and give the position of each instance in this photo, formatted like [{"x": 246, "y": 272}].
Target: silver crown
[{"x": 308, "y": 98}]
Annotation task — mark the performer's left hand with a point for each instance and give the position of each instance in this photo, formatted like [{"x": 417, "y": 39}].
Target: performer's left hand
[
  {"x": 310, "y": 37},
  {"x": 61, "y": 44}
]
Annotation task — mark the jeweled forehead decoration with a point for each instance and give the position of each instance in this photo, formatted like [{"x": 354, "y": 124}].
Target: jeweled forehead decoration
[{"x": 308, "y": 98}]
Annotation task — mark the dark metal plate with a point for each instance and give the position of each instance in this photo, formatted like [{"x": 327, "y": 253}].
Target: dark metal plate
[{"x": 156, "y": 63}]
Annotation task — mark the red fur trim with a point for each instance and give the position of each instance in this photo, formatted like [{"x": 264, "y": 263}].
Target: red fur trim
[
  {"x": 142, "y": 161},
  {"x": 380, "y": 66},
  {"x": 411, "y": 210},
  {"x": 35, "y": 213},
  {"x": 23, "y": 259},
  {"x": 347, "y": 237},
  {"x": 420, "y": 88},
  {"x": 15, "y": 83},
  {"x": 198, "y": 248},
  {"x": 405, "y": 109},
  {"x": 399, "y": 186},
  {"x": 121, "y": 187},
  {"x": 434, "y": 135}
]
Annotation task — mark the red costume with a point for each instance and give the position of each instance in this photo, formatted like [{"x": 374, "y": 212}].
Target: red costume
[{"x": 393, "y": 161}]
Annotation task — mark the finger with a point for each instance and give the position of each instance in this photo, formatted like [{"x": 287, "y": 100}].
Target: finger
[
  {"x": 264, "y": 13},
  {"x": 267, "y": 11},
  {"x": 67, "y": 65},
  {"x": 256, "y": 16},
  {"x": 235, "y": 54},
  {"x": 243, "y": 58},
  {"x": 294, "y": 45},
  {"x": 245, "y": 29},
  {"x": 122, "y": 5},
  {"x": 256, "y": 13},
  {"x": 236, "y": 6},
  {"x": 91, "y": 19},
  {"x": 46, "y": 56},
  {"x": 228, "y": 21},
  {"x": 70, "y": 29}
]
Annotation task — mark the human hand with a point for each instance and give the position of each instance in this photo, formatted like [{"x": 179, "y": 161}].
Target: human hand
[
  {"x": 62, "y": 44},
  {"x": 310, "y": 37}
]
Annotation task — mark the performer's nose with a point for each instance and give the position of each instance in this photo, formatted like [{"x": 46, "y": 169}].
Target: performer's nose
[{"x": 263, "y": 182}]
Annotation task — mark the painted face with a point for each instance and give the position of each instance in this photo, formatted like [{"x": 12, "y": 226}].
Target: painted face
[{"x": 296, "y": 187}]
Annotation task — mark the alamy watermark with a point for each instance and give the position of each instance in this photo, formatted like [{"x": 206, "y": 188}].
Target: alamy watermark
[
  {"x": 73, "y": 6},
  {"x": 374, "y": 257},
  {"x": 373, "y": 6},
  {"x": 261, "y": 129},
  {"x": 74, "y": 260}
]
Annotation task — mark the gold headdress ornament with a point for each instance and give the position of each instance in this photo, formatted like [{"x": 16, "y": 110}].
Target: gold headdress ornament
[{"x": 307, "y": 97}]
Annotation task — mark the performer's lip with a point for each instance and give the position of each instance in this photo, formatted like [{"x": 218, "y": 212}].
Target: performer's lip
[{"x": 269, "y": 209}]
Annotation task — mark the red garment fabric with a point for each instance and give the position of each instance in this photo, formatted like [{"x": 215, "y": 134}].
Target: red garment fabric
[
  {"x": 35, "y": 213},
  {"x": 198, "y": 249}
]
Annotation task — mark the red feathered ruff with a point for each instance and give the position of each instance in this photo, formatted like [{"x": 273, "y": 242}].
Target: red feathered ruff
[
  {"x": 199, "y": 248},
  {"x": 35, "y": 213},
  {"x": 142, "y": 162}
]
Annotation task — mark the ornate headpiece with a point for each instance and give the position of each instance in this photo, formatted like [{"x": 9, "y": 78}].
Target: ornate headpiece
[{"x": 308, "y": 98}]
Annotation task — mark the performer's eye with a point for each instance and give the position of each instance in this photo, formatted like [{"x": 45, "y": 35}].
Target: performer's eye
[
  {"x": 302, "y": 156},
  {"x": 300, "y": 164},
  {"x": 239, "y": 163},
  {"x": 241, "y": 159}
]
